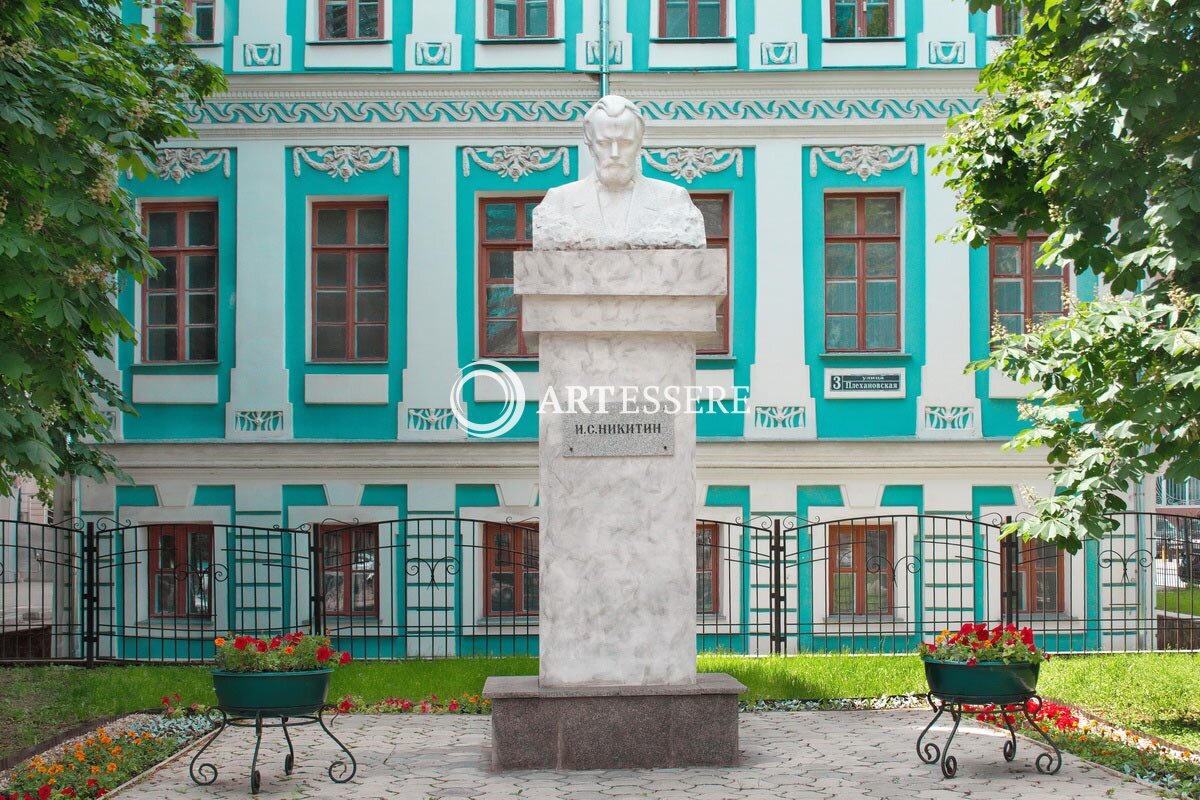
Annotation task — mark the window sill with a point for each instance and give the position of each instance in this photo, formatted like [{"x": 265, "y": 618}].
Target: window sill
[
  {"x": 861, "y": 39},
  {"x": 325, "y": 42},
  {"x": 886, "y": 356},
  {"x": 525, "y": 40},
  {"x": 177, "y": 624},
  {"x": 203, "y": 44},
  {"x": 693, "y": 39},
  {"x": 859, "y": 619},
  {"x": 360, "y": 363},
  {"x": 202, "y": 367}
]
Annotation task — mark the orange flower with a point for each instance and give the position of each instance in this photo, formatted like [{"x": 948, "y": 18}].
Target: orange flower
[
  {"x": 95, "y": 769},
  {"x": 219, "y": 641},
  {"x": 112, "y": 766},
  {"x": 289, "y": 650}
]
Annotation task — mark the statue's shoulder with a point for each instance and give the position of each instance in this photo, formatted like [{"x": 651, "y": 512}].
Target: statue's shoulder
[{"x": 668, "y": 192}]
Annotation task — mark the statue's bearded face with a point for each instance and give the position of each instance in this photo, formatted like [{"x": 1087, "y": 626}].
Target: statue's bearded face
[{"x": 616, "y": 144}]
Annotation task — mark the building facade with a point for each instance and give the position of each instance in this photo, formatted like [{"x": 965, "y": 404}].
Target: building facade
[{"x": 337, "y": 246}]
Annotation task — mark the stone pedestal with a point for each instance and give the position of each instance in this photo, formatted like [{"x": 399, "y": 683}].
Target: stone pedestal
[{"x": 617, "y": 560}]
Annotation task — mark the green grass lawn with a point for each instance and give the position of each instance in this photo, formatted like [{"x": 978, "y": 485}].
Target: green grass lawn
[
  {"x": 1182, "y": 601},
  {"x": 1158, "y": 693}
]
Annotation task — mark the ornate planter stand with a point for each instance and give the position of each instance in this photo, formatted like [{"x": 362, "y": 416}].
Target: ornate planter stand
[
  {"x": 339, "y": 771},
  {"x": 953, "y": 687}
]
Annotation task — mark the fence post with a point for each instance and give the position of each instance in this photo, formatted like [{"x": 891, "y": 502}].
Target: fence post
[
  {"x": 778, "y": 592},
  {"x": 1010, "y": 555},
  {"x": 316, "y": 597},
  {"x": 90, "y": 569}
]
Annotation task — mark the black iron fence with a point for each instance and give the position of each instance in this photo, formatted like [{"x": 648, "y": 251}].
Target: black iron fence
[{"x": 434, "y": 587}]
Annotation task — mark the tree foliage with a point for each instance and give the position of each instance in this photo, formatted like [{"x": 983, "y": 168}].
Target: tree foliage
[
  {"x": 1089, "y": 131},
  {"x": 83, "y": 97}
]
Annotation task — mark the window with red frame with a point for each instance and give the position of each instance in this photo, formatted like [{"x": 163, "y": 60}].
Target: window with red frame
[
  {"x": 860, "y": 569},
  {"x": 511, "y": 566},
  {"x": 351, "y": 19},
  {"x": 1024, "y": 294},
  {"x": 505, "y": 227},
  {"x": 861, "y": 19},
  {"x": 180, "y": 567},
  {"x": 1039, "y": 576},
  {"x": 179, "y": 304},
  {"x": 707, "y": 564},
  {"x": 202, "y": 14},
  {"x": 350, "y": 569},
  {"x": 350, "y": 282},
  {"x": 520, "y": 19},
  {"x": 862, "y": 272},
  {"x": 715, "y": 210},
  {"x": 691, "y": 19},
  {"x": 1009, "y": 21}
]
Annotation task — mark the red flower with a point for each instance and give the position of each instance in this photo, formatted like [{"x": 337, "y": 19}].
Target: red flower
[
  {"x": 239, "y": 643},
  {"x": 101, "y": 792},
  {"x": 92, "y": 782},
  {"x": 324, "y": 653},
  {"x": 1027, "y": 635},
  {"x": 345, "y": 659},
  {"x": 971, "y": 661},
  {"x": 68, "y": 792},
  {"x": 453, "y": 706},
  {"x": 166, "y": 701},
  {"x": 345, "y": 706},
  {"x": 45, "y": 792},
  {"x": 176, "y": 695},
  {"x": 261, "y": 645}
]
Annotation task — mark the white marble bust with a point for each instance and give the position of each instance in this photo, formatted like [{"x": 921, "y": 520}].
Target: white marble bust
[{"x": 616, "y": 207}]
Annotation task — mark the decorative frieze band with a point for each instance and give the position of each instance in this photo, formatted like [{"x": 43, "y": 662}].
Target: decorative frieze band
[
  {"x": 690, "y": 163},
  {"x": 515, "y": 160},
  {"x": 865, "y": 161},
  {"x": 340, "y": 112},
  {"x": 346, "y": 161},
  {"x": 177, "y": 163}
]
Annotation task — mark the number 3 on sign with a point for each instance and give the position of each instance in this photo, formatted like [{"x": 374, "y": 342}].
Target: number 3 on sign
[{"x": 835, "y": 382}]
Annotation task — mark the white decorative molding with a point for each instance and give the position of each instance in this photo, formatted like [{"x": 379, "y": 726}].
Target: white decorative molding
[
  {"x": 434, "y": 54},
  {"x": 616, "y": 53},
  {"x": 346, "y": 161},
  {"x": 430, "y": 419},
  {"x": 177, "y": 163},
  {"x": 268, "y": 54},
  {"x": 258, "y": 421},
  {"x": 865, "y": 161},
  {"x": 948, "y": 53},
  {"x": 779, "y": 54},
  {"x": 516, "y": 161},
  {"x": 949, "y": 418},
  {"x": 780, "y": 417},
  {"x": 690, "y": 163}
]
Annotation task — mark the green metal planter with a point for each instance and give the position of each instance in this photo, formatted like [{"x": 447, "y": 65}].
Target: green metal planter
[
  {"x": 985, "y": 682},
  {"x": 271, "y": 694}
]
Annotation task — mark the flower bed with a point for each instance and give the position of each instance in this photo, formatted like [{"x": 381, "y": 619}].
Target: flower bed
[
  {"x": 465, "y": 704},
  {"x": 1175, "y": 769},
  {"x": 94, "y": 765}
]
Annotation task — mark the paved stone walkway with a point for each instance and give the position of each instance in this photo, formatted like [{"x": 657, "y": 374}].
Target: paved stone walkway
[{"x": 844, "y": 754}]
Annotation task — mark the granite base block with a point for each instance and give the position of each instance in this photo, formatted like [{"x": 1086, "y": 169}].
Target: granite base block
[{"x": 614, "y": 727}]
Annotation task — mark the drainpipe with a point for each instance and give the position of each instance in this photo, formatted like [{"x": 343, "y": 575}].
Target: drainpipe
[{"x": 604, "y": 47}]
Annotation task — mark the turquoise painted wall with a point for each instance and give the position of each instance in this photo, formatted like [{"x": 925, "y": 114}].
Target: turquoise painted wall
[
  {"x": 856, "y": 419},
  {"x": 344, "y": 421},
  {"x": 398, "y": 27},
  {"x": 187, "y": 421}
]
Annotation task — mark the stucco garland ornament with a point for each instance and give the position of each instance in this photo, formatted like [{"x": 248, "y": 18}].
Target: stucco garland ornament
[
  {"x": 516, "y": 161},
  {"x": 865, "y": 161},
  {"x": 346, "y": 161},
  {"x": 177, "y": 163},
  {"x": 690, "y": 163}
]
